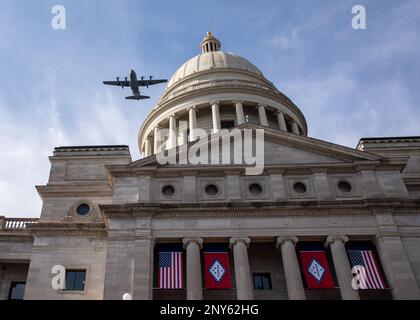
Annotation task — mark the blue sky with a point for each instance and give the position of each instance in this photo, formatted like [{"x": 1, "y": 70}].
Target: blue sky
[{"x": 349, "y": 84}]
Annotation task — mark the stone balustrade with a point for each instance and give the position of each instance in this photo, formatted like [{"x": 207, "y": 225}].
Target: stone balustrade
[{"x": 15, "y": 224}]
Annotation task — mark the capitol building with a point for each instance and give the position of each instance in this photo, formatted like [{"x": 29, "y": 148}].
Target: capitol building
[{"x": 320, "y": 221}]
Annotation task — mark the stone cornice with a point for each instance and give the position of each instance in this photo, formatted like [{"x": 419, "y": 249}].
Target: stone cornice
[
  {"x": 73, "y": 190},
  {"x": 224, "y": 170},
  {"x": 14, "y": 236},
  {"x": 66, "y": 229},
  {"x": 263, "y": 209}
]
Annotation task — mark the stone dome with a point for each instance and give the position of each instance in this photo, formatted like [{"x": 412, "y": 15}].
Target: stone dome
[
  {"x": 216, "y": 90},
  {"x": 213, "y": 60}
]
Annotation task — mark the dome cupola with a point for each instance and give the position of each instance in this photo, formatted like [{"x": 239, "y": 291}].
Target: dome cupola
[{"x": 210, "y": 43}]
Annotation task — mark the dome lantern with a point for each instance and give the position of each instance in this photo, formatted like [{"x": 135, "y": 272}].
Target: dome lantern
[{"x": 210, "y": 43}]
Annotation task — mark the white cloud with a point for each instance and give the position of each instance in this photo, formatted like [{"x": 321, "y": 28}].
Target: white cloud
[
  {"x": 285, "y": 42},
  {"x": 26, "y": 145},
  {"x": 24, "y": 159}
]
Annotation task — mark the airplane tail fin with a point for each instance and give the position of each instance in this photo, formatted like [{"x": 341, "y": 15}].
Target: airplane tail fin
[{"x": 137, "y": 97}]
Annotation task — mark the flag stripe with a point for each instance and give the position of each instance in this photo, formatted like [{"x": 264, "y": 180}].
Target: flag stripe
[
  {"x": 366, "y": 259},
  {"x": 369, "y": 279},
  {"x": 170, "y": 270},
  {"x": 372, "y": 278},
  {"x": 376, "y": 271}
]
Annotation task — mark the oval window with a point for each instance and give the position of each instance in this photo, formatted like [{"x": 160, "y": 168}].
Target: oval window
[
  {"x": 83, "y": 209},
  {"x": 168, "y": 190},
  {"x": 212, "y": 190},
  {"x": 255, "y": 188},
  {"x": 300, "y": 187},
  {"x": 344, "y": 186}
]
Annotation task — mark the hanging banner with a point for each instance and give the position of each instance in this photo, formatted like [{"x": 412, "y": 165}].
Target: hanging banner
[
  {"x": 315, "y": 266},
  {"x": 217, "y": 267}
]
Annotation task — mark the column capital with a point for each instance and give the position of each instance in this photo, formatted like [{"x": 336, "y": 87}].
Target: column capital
[
  {"x": 214, "y": 102},
  {"x": 259, "y": 105},
  {"x": 333, "y": 238},
  {"x": 172, "y": 115},
  {"x": 186, "y": 241},
  {"x": 282, "y": 239},
  {"x": 278, "y": 112},
  {"x": 238, "y": 101},
  {"x": 192, "y": 108},
  {"x": 234, "y": 240},
  {"x": 158, "y": 126}
]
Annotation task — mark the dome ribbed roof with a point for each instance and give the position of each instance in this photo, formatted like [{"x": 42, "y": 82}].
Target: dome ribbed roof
[{"x": 213, "y": 60}]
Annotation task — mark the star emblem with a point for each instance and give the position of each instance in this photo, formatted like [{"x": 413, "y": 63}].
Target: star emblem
[
  {"x": 316, "y": 270},
  {"x": 217, "y": 271}
]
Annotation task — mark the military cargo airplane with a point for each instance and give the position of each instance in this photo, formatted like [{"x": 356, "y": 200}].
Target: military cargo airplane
[{"x": 135, "y": 84}]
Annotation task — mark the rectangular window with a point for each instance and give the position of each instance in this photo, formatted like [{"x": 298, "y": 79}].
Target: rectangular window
[
  {"x": 227, "y": 124},
  {"x": 262, "y": 281},
  {"x": 75, "y": 280},
  {"x": 17, "y": 290}
]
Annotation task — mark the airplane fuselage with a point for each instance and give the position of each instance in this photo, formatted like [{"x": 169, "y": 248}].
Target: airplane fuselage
[{"x": 133, "y": 82}]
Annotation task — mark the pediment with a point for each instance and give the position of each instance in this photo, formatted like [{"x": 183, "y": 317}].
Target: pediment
[{"x": 280, "y": 148}]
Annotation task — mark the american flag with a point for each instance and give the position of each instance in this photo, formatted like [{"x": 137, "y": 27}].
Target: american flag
[
  {"x": 170, "y": 270},
  {"x": 366, "y": 259}
]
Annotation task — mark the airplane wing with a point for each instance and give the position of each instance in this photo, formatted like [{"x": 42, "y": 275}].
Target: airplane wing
[
  {"x": 121, "y": 83},
  {"x": 144, "y": 83}
]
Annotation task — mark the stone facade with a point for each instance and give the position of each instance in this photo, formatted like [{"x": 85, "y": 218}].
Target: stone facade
[{"x": 128, "y": 214}]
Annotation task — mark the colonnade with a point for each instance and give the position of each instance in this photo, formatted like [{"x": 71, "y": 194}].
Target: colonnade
[
  {"x": 243, "y": 276},
  {"x": 152, "y": 144}
]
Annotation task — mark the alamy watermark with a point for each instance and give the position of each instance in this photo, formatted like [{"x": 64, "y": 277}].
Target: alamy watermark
[
  {"x": 359, "y": 280},
  {"x": 58, "y": 21},
  {"x": 359, "y": 20},
  {"x": 234, "y": 146}
]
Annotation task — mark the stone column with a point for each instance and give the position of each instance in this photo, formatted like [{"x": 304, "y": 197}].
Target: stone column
[
  {"x": 294, "y": 284},
  {"x": 342, "y": 267},
  {"x": 1, "y": 271},
  {"x": 3, "y": 290},
  {"x": 244, "y": 287},
  {"x": 143, "y": 266},
  {"x": 397, "y": 267},
  {"x": 119, "y": 277},
  {"x": 215, "y": 113},
  {"x": 295, "y": 128},
  {"x": 156, "y": 141},
  {"x": 263, "y": 115},
  {"x": 2, "y": 218},
  {"x": 281, "y": 121},
  {"x": 172, "y": 133},
  {"x": 192, "y": 115},
  {"x": 148, "y": 147},
  {"x": 182, "y": 133},
  {"x": 240, "y": 116},
  {"x": 194, "y": 284}
]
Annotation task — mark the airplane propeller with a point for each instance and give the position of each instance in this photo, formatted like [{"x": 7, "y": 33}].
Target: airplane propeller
[{"x": 119, "y": 83}]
